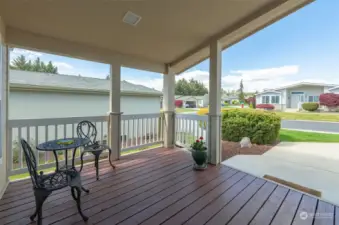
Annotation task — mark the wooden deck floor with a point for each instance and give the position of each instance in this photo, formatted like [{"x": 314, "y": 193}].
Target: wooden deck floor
[{"x": 159, "y": 187}]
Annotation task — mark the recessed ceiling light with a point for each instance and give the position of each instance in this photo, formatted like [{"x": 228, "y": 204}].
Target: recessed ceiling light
[{"x": 131, "y": 18}]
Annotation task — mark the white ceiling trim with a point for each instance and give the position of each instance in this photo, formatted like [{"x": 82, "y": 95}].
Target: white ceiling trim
[{"x": 23, "y": 39}]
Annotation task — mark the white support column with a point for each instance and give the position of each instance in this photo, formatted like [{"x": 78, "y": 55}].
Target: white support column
[
  {"x": 214, "y": 144},
  {"x": 115, "y": 114},
  {"x": 169, "y": 108}
]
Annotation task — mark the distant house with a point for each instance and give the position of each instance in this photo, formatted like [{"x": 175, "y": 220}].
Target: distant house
[
  {"x": 193, "y": 101},
  {"x": 229, "y": 99},
  {"x": 41, "y": 95},
  {"x": 291, "y": 96}
]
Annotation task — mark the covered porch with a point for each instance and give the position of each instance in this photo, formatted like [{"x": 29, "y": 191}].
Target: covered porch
[{"x": 166, "y": 37}]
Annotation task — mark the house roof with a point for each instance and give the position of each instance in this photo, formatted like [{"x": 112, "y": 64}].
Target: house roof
[
  {"x": 331, "y": 89},
  {"x": 268, "y": 91},
  {"x": 305, "y": 84},
  {"x": 182, "y": 97},
  {"x": 57, "y": 82}
]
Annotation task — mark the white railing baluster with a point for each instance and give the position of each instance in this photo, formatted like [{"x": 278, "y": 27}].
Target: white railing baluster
[
  {"x": 36, "y": 144},
  {"x": 144, "y": 130},
  {"x": 20, "y": 148},
  {"x": 10, "y": 150}
]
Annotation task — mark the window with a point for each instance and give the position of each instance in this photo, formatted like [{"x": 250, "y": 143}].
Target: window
[
  {"x": 275, "y": 99},
  {"x": 265, "y": 99},
  {"x": 313, "y": 98}
]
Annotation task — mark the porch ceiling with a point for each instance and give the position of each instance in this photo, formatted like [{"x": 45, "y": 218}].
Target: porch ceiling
[{"x": 173, "y": 32}]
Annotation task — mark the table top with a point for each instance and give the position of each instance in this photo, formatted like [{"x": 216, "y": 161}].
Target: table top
[{"x": 62, "y": 144}]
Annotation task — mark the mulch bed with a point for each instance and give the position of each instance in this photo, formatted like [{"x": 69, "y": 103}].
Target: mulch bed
[{"x": 230, "y": 149}]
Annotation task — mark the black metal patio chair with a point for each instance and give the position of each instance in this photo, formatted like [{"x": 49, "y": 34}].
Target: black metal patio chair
[
  {"x": 44, "y": 185},
  {"x": 86, "y": 129}
]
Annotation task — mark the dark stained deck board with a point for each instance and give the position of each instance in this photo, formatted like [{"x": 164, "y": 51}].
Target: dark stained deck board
[
  {"x": 267, "y": 212},
  {"x": 170, "y": 200},
  {"x": 159, "y": 187},
  {"x": 324, "y": 214},
  {"x": 305, "y": 211},
  {"x": 288, "y": 209},
  {"x": 230, "y": 210},
  {"x": 245, "y": 215},
  {"x": 229, "y": 188},
  {"x": 129, "y": 178}
]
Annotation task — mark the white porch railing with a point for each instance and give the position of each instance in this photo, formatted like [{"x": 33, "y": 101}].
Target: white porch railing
[
  {"x": 189, "y": 127},
  {"x": 137, "y": 131}
]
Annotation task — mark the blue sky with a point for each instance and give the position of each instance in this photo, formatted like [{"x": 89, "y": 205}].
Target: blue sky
[{"x": 302, "y": 47}]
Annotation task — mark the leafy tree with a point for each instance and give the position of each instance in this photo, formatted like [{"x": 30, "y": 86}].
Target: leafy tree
[
  {"x": 191, "y": 87},
  {"x": 241, "y": 92},
  {"x": 20, "y": 63}
]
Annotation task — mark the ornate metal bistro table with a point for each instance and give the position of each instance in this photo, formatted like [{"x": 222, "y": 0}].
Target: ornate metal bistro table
[{"x": 64, "y": 145}]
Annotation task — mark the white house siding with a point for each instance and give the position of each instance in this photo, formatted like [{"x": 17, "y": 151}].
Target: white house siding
[
  {"x": 38, "y": 105},
  {"x": 308, "y": 91},
  {"x": 279, "y": 106}
]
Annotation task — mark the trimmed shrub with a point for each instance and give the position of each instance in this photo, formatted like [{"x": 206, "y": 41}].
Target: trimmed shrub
[
  {"x": 178, "y": 103},
  {"x": 310, "y": 106},
  {"x": 204, "y": 111},
  {"x": 330, "y": 100},
  {"x": 260, "y": 126},
  {"x": 264, "y": 106},
  {"x": 235, "y": 102}
]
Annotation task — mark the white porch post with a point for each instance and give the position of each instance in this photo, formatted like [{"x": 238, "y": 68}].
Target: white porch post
[
  {"x": 169, "y": 108},
  {"x": 115, "y": 114},
  {"x": 214, "y": 135},
  {"x": 4, "y": 60}
]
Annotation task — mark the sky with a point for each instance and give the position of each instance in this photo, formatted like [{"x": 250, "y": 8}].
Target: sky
[{"x": 301, "y": 47}]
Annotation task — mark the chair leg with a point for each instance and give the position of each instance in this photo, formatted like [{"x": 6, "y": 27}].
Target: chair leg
[
  {"x": 96, "y": 163},
  {"x": 109, "y": 158},
  {"x": 77, "y": 198},
  {"x": 82, "y": 161},
  {"x": 40, "y": 197}
]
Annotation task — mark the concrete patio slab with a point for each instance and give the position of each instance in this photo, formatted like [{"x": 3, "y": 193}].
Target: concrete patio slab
[{"x": 313, "y": 165}]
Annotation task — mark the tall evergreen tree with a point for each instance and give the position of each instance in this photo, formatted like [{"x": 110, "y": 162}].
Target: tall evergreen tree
[
  {"x": 241, "y": 92},
  {"x": 20, "y": 63}
]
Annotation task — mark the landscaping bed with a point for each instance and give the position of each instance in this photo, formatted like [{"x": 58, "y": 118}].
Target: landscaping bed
[{"x": 230, "y": 149}]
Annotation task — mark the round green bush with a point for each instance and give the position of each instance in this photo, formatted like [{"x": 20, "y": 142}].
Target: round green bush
[
  {"x": 310, "y": 106},
  {"x": 261, "y": 127}
]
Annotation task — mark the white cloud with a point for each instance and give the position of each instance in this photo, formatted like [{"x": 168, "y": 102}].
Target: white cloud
[
  {"x": 63, "y": 65},
  {"x": 156, "y": 83},
  {"x": 256, "y": 79},
  {"x": 27, "y": 53}
]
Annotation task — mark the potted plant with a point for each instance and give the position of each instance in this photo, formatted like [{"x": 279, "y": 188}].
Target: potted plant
[{"x": 199, "y": 154}]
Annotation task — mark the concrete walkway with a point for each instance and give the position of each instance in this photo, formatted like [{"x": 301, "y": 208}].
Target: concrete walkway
[{"x": 313, "y": 165}]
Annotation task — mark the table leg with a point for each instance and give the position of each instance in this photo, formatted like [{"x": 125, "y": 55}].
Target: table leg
[
  {"x": 66, "y": 159},
  {"x": 56, "y": 161}
]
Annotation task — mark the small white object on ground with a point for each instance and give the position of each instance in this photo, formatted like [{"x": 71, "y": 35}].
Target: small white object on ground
[{"x": 245, "y": 142}]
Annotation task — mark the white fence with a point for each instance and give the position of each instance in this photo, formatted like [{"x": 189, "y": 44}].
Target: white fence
[
  {"x": 189, "y": 127},
  {"x": 137, "y": 131}
]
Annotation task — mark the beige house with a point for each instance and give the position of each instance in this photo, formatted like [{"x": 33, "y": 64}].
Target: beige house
[
  {"x": 163, "y": 36},
  {"x": 292, "y": 96}
]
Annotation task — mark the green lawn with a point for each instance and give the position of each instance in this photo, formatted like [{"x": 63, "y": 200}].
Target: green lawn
[
  {"x": 333, "y": 117},
  {"x": 300, "y": 136}
]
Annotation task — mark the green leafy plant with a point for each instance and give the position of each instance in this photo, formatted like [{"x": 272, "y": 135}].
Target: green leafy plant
[
  {"x": 310, "y": 106},
  {"x": 261, "y": 127},
  {"x": 235, "y": 102},
  {"x": 199, "y": 145}
]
